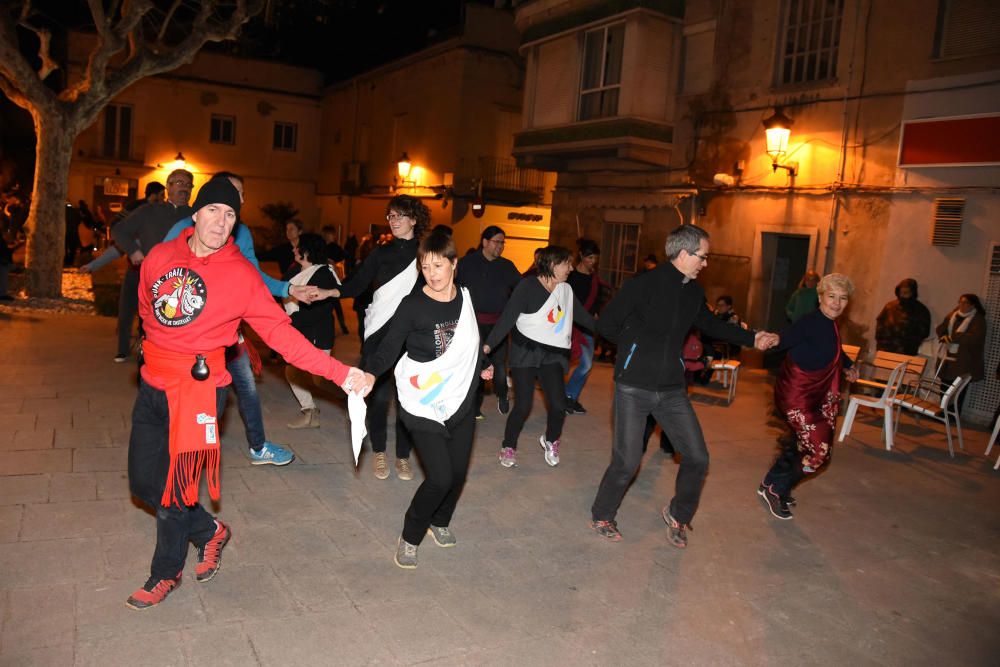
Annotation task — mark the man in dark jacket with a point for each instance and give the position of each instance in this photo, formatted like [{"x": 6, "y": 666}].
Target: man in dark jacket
[
  {"x": 648, "y": 320},
  {"x": 904, "y": 322}
]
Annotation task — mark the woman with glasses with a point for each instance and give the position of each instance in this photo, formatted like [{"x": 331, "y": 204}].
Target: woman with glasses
[
  {"x": 391, "y": 270},
  {"x": 541, "y": 312}
]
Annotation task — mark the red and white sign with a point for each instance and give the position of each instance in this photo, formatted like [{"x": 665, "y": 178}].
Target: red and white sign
[{"x": 956, "y": 141}]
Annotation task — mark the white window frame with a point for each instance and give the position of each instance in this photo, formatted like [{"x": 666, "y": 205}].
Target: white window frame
[{"x": 604, "y": 87}]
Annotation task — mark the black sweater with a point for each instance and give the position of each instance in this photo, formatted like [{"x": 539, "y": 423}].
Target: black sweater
[
  {"x": 489, "y": 283},
  {"x": 811, "y": 342},
  {"x": 649, "y": 319},
  {"x": 315, "y": 320},
  {"x": 528, "y": 297},
  {"x": 426, "y": 327}
]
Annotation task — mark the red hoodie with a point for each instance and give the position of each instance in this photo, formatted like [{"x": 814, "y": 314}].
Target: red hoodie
[{"x": 193, "y": 305}]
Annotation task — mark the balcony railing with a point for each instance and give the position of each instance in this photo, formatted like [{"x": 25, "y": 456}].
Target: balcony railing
[{"x": 501, "y": 174}]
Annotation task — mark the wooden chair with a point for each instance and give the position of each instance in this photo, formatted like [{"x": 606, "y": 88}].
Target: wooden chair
[
  {"x": 852, "y": 352},
  {"x": 937, "y": 400},
  {"x": 993, "y": 439},
  {"x": 883, "y": 402},
  {"x": 883, "y": 364}
]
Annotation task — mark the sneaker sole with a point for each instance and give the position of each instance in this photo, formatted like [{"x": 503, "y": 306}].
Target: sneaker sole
[
  {"x": 405, "y": 567},
  {"x": 128, "y": 602},
  {"x": 435, "y": 537},
  {"x": 770, "y": 509},
  {"x": 406, "y": 478},
  {"x": 508, "y": 464},
  {"x": 611, "y": 538},
  {"x": 271, "y": 463}
]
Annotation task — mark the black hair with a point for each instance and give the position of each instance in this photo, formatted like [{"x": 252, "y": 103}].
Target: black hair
[
  {"x": 975, "y": 302},
  {"x": 549, "y": 257},
  {"x": 411, "y": 207},
  {"x": 313, "y": 247},
  {"x": 438, "y": 244},
  {"x": 489, "y": 233},
  {"x": 154, "y": 188},
  {"x": 227, "y": 174},
  {"x": 725, "y": 298},
  {"x": 587, "y": 247},
  {"x": 296, "y": 222},
  {"x": 651, "y": 258},
  {"x": 441, "y": 229}
]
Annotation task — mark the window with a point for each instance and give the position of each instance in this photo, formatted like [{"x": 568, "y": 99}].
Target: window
[
  {"x": 967, "y": 28},
  {"x": 117, "y": 131},
  {"x": 620, "y": 259},
  {"x": 811, "y": 34},
  {"x": 223, "y": 130},
  {"x": 602, "y": 71},
  {"x": 285, "y": 136}
]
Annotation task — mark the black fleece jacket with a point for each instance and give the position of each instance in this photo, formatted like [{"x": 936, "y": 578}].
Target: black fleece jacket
[{"x": 649, "y": 319}]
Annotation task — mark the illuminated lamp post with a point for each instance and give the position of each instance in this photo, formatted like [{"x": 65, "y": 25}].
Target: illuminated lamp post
[{"x": 777, "y": 129}]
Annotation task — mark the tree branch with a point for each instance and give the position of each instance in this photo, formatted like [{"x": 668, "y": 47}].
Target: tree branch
[
  {"x": 167, "y": 20},
  {"x": 16, "y": 70}
]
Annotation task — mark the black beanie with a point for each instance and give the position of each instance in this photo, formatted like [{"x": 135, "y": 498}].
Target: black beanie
[{"x": 218, "y": 191}]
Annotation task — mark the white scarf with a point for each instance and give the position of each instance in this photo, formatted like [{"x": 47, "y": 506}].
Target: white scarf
[
  {"x": 386, "y": 299},
  {"x": 953, "y": 348},
  {"x": 553, "y": 324},
  {"x": 302, "y": 278},
  {"x": 436, "y": 389}
]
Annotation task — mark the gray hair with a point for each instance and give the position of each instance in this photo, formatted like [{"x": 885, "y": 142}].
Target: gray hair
[
  {"x": 685, "y": 237},
  {"x": 835, "y": 281}
]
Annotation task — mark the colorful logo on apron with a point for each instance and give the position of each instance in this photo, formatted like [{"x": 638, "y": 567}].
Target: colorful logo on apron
[
  {"x": 179, "y": 296},
  {"x": 432, "y": 385},
  {"x": 556, "y": 316}
]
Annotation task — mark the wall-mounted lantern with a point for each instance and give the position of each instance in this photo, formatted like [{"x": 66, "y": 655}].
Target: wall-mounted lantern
[
  {"x": 404, "y": 171},
  {"x": 777, "y": 128},
  {"x": 179, "y": 162}
]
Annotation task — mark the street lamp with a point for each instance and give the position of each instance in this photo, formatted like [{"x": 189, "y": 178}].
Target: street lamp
[
  {"x": 777, "y": 128},
  {"x": 403, "y": 168}
]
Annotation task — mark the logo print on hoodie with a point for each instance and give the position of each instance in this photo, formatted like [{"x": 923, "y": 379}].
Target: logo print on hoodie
[{"x": 179, "y": 296}]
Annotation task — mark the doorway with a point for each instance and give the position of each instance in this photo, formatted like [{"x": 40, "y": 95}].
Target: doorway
[{"x": 784, "y": 260}]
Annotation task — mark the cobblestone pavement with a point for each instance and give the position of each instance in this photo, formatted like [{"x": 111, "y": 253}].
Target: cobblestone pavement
[{"x": 892, "y": 559}]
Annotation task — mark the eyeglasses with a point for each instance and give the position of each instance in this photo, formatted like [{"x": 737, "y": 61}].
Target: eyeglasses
[
  {"x": 703, "y": 258},
  {"x": 495, "y": 242},
  {"x": 395, "y": 216},
  {"x": 185, "y": 183}
]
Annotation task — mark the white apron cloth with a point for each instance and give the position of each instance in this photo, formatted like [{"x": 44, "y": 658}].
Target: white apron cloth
[
  {"x": 386, "y": 299},
  {"x": 302, "y": 278},
  {"x": 952, "y": 330},
  {"x": 436, "y": 389},
  {"x": 552, "y": 325}
]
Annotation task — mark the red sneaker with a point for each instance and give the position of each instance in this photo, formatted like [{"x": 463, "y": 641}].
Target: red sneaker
[
  {"x": 153, "y": 592},
  {"x": 210, "y": 555}
]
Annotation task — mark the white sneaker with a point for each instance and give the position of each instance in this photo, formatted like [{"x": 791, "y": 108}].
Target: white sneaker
[{"x": 551, "y": 450}]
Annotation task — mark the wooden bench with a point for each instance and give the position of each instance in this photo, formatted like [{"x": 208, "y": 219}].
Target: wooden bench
[
  {"x": 851, "y": 352},
  {"x": 883, "y": 364}
]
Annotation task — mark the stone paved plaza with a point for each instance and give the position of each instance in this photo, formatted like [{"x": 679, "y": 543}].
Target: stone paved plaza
[{"x": 893, "y": 557}]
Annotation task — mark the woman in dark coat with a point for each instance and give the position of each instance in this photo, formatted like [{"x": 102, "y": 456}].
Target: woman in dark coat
[{"x": 963, "y": 330}]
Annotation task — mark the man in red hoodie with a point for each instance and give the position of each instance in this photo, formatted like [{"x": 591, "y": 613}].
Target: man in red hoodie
[{"x": 193, "y": 292}]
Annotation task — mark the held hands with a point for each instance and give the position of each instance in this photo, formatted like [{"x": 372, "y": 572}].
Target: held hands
[
  {"x": 765, "y": 340},
  {"x": 358, "y": 382},
  {"x": 136, "y": 256},
  {"x": 304, "y": 293},
  {"x": 487, "y": 373},
  {"x": 851, "y": 374},
  {"x": 486, "y": 349}
]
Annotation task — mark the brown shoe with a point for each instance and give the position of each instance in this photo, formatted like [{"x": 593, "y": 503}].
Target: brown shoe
[
  {"x": 403, "y": 469},
  {"x": 381, "y": 466},
  {"x": 308, "y": 419}
]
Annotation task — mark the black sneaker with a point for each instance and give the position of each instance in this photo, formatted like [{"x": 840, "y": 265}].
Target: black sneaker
[
  {"x": 573, "y": 407},
  {"x": 777, "y": 506},
  {"x": 503, "y": 405}
]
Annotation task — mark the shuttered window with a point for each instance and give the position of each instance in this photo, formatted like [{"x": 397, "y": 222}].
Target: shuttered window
[
  {"x": 968, "y": 28},
  {"x": 947, "y": 223}
]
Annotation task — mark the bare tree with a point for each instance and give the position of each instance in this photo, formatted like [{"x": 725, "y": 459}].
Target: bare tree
[{"x": 135, "y": 39}]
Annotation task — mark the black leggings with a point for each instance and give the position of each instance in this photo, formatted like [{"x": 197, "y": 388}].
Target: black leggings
[
  {"x": 378, "y": 418},
  {"x": 445, "y": 458},
  {"x": 550, "y": 376}
]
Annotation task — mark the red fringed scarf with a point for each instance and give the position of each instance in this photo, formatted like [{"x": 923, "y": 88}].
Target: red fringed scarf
[{"x": 194, "y": 433}]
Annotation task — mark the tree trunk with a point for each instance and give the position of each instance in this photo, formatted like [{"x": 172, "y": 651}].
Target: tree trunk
[{"x": 47, "y": 217}]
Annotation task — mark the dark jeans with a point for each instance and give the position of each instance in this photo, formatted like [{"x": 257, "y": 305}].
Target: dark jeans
[
  {"x": 245, "y": 386},
  {"x": 672, "y": 410},
  {"x": 787, "y": 469},
  {"x": 647, "y": 433},
  {"x": 550, "y": 376},
  {"x": 498, "y": 358},
  {"x": 128, "y": 306},
  {"x": 378, "y": 418},
  {"x": 445, "y": 460},
  {"x": 148, "y": 463}
]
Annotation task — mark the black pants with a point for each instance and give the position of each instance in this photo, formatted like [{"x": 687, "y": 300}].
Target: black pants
[
  {"x": 338, "y": 310},
  {"x": 787, "y": 469},
  {"x": 498, "y": 358},
  {"x": 672, "y": 409},
  {"x": 148, "y": 463},
  {"x": 550, "y": 376},
  {"x": 378, "y": 418},
  {"x": 445, "y": 459},
  {"x": 647, "y": 433}
]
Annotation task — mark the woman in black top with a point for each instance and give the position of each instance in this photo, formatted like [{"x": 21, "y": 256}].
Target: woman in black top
[
  {"x": 807, "y": 393},
  {"x": 407, "y": 217},
  {"x": 530, "y": 358},
  {"x": 313, "y": 320},
  {"x": 429, "y": 324}
]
